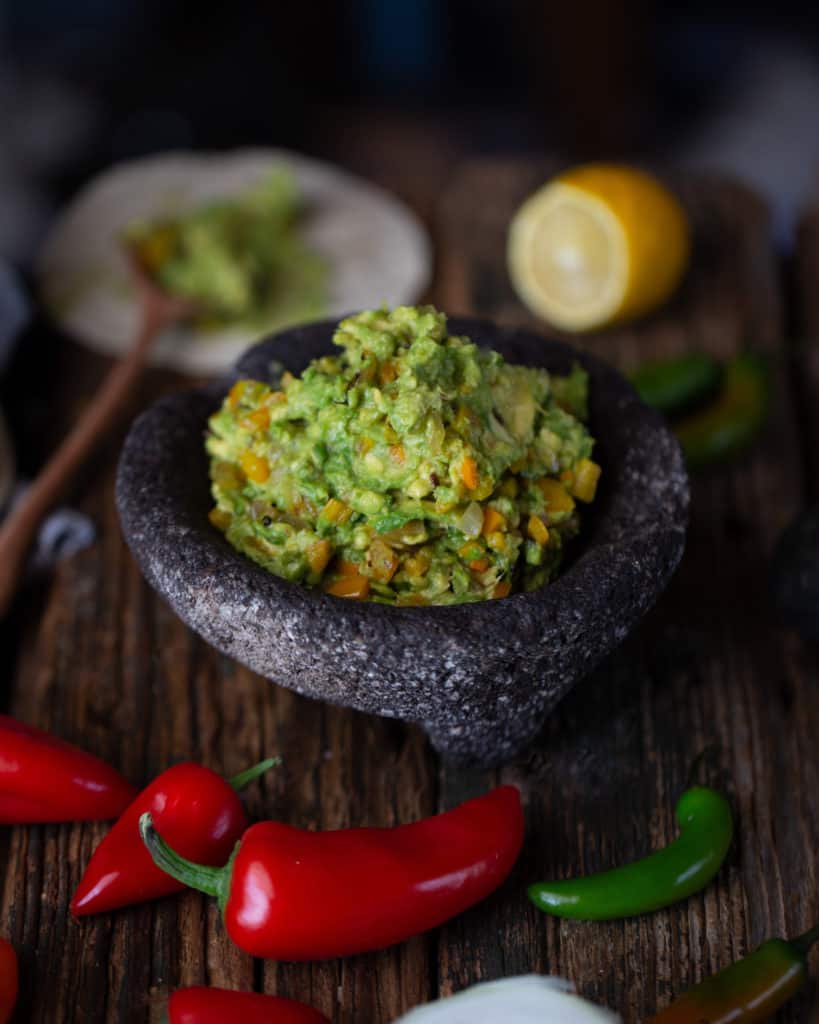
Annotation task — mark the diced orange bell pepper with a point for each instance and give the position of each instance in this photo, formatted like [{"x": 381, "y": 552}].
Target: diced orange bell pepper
[
  {"x": 492, "y": 521},
  {"x": 382, "y": 561},
  {"x": 255, "y": 467},
  {"x": 355, "y": 587},
  {"x": 584, "y": 485},
  {"x": 557, "y": 498},
  {"x": 318, "y": 555},
  {"x": 344, "y": 568},
  {"x": 469, "y": 472},
  {"x": 538, "y": 530},
  {"x": 259, "y": 419}
]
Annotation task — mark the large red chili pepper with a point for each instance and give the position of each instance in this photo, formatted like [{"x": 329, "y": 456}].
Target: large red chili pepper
[
  {"x": 218, "y": 1005},
  {"x": 8, "y": 980},
  {"x": 288, "y": 894},
  {"x": 194, "y": 808},
  {"x": 45, "y": 779}
]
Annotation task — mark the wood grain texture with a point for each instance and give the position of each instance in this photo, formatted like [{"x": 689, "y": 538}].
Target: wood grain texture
[
  {"x": 110, "y": 667},
  {"x": 709, "y": 668},
  {"x": 101, "y": 661}
]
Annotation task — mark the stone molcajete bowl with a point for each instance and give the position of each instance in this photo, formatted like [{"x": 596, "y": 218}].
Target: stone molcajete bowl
[{"x": 479, "y": 678}]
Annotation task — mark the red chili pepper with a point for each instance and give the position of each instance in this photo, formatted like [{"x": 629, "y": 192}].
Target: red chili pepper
[
  {"x": 8, "y": 980},
  {"x": 218, "y": 1005},
  {"x": 45, "y": 779},
  {"x": 195, "y": 809},
  {"x": 288, "y": 894}
]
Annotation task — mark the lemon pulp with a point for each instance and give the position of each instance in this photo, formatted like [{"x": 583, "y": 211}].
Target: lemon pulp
[{"x": 601, "y": 243}]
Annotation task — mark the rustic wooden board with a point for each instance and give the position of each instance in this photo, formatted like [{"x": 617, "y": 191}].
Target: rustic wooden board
[
  {"x": 101, "y": 661},
  {"x": 708, "y": 668}
]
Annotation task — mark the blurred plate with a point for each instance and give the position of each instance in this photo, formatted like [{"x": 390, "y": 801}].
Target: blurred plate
[
  {"x": 377, "y": 250},
  {"x": 6, "y": 465}
]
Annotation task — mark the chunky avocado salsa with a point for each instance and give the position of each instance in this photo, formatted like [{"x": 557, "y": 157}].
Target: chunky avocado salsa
[{"x": 412, "y": 468}]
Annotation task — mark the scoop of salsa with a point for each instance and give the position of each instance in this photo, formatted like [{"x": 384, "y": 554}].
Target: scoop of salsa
[{"x": 412, "y": 468}]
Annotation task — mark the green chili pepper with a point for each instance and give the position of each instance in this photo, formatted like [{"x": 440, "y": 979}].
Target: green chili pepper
[
  {"x": 748, "y": 991},
  {"x": 669, "y": 875},
  {"x": 674, "y": 386},
  {"x": 733, "y": 419}
]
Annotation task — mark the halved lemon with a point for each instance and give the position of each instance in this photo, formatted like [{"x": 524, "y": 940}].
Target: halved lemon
[{"x": 599, "y": 244}]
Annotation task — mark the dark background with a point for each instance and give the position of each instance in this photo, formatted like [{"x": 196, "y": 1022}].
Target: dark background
[{"x": 401, "y": 89}]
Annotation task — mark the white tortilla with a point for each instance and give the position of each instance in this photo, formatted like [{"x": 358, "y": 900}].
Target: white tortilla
[{"x": 377, "y": 250}]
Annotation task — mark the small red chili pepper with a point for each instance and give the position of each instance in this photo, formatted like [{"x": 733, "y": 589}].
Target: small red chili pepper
[
  {"x": 217, "y": 1005},
  {"x": 45, "y": 779},
  {"x": 288, "y": 894},
  {"x": 8, "y": 980},
  {"x": 196, "y": 810}
]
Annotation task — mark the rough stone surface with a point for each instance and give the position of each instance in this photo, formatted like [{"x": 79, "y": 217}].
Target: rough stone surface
[{"x": 480, "y": 679}]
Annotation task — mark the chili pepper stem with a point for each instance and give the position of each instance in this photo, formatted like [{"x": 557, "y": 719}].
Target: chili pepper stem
[
  {"x": 803, "y": 943},
  {"x": 246, "y": 777},
  {"x": 210, "y": 880}
]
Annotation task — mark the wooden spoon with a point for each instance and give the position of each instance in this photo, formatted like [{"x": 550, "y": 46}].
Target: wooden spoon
[{"x": 18, "y": 530}]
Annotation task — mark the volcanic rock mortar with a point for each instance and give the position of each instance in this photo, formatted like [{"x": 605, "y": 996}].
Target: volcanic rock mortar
[{"x": 479, "y": 678}]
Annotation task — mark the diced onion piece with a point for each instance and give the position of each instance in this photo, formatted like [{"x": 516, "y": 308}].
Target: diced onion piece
[{"x": 471, "y": 522}]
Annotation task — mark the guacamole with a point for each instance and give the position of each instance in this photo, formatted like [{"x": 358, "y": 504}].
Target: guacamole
[
  {"x": 411, "y": 468},
  {"x": 240, "y": 260}
]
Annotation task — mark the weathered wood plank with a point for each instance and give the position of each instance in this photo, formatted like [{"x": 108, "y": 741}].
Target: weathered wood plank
[
  {"x": 707, "y": 668},
  {"x": 110, "y": 667},
  {"x": 102, "y": 662}
]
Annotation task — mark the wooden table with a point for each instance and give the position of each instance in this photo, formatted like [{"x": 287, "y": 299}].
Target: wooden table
[{"x": 97, "y": 658}]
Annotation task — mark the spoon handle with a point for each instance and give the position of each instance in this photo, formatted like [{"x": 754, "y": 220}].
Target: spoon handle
[{"x": 55, "y": 478}]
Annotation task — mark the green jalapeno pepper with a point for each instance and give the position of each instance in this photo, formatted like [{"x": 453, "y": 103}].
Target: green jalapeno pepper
[
  {"x": 669, "y": 875},
  {"x": 675, "y": 386},
  {"x": 748, "y": 991},
  {"x": 733, "y": 419}
]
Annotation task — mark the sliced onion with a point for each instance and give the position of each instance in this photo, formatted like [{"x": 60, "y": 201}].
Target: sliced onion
[{"x": 528, "y": 999}]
